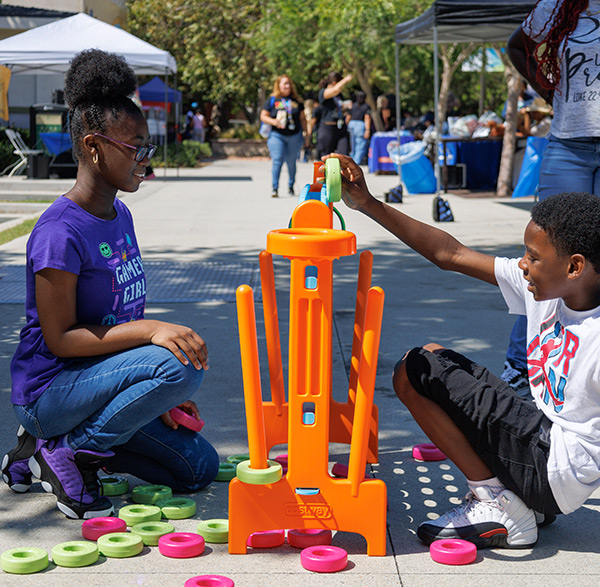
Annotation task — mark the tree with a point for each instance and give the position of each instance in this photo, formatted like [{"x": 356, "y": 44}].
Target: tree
[{"x": 452, "y": 57}]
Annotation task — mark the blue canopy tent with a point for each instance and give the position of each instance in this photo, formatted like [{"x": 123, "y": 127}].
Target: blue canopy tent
[{"x": 154, "y": 91}]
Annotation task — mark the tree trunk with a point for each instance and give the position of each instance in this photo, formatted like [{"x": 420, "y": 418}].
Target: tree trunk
[
  {"x": 513, "y": 82},
  {"x": 362, "y": 77},
  {"x": 448, "y": 71}
]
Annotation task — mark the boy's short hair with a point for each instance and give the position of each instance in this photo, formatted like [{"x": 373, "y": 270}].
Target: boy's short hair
[{"x": 572, "y": 222}]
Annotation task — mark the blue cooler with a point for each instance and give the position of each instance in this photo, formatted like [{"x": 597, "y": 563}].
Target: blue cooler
[{"x": 417, "y": 172}]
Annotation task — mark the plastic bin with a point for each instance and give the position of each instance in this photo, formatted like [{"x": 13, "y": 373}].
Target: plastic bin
[
  {"x": 38, "y": 166},
  {"x": 417, "y": 172}
]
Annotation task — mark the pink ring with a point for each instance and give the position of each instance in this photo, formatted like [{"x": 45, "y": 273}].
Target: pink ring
[
  {"x": 453, "y": 551},
  {"x": 282, "y": 460},
  {"x": 93, "y": 528},
  {"x": 324, "y": 559},
  {"x": 305, "y": 537},
  {"x": 267, "y": 539},
  {"x": 181, "y": 545},
  {"x": 427, "y": 452},
  {"x": 186, "y": 419},
  {"x": 209, "y": 581}
]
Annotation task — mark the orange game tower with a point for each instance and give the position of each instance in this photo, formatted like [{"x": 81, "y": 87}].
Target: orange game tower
[{"x": 308, "y": 497}]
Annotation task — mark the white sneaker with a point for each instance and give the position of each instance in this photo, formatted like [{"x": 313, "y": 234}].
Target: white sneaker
[{"x": 503, "y": 521}]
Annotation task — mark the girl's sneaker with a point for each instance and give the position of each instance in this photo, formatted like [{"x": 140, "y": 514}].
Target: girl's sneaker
[
  {"x": 72, "y": 477},
  {"x": 15, "y": 464}
]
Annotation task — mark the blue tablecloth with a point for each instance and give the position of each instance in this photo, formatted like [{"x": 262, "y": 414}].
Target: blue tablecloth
[
  {"x": 480, "y": 156},
  {"x": 56, "y": 142},
  {"x": 379, "y": 159}
]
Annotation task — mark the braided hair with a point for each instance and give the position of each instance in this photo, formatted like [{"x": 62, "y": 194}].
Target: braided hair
[
  {"x": 97, "y": 84},
  {"x": 548, "y": 52}
]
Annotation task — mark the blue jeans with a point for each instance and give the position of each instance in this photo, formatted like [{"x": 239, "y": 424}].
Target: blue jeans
[
  {"x": 284, "y": 149},
  {"x": 358, "y": 143},
  {"x": 114, "y": 402},
  {"x": 568, "y": 165}
]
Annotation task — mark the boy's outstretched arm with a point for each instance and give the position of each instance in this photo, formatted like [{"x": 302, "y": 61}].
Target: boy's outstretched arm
[{"x": 434, "y": 244}]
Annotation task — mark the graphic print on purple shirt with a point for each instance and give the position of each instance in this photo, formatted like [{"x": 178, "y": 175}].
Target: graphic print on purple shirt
[
  {"x": 111, "y": 287},
  {"x": 549, "y": 359}
]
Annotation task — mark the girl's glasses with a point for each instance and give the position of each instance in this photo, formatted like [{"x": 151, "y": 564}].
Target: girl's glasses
[{"x": 140, "y": 152}]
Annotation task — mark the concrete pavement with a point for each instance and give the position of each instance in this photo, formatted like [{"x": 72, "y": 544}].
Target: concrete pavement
[{"x": 221, "y": 214}]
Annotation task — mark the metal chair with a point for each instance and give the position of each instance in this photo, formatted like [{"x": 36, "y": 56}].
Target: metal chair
[{"x": 21, "y": 149}]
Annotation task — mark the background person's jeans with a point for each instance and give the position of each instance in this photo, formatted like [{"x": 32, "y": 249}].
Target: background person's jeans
[
  {"x": 284, "y": 149},
  {"x": 114, "y": 402},
  {"x": 358, "y": 143},
  {"x": 568, "y": 165}
]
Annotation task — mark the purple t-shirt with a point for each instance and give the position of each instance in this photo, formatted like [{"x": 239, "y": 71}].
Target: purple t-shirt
[{"x": 111, "y": 287}]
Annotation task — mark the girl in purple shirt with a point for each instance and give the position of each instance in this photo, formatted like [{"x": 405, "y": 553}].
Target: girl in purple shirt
[{"x": 92, "y": 380}]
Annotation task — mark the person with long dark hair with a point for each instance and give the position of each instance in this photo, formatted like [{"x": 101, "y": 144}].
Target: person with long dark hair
[
  {"x": 93, "y": 380},
  {"x": 332, "y": 134},
  {"x": 557, "y": 50}
]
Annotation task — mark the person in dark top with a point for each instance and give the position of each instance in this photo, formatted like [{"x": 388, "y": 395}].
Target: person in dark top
[{"x": 332, "y": 135}]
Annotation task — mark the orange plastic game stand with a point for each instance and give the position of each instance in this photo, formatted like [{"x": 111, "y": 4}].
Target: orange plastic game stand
[{"x": 308, "y": 496}]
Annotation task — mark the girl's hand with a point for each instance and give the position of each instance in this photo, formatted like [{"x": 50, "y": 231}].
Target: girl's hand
[
  {"x": 187, "y": 345},
  {"x": 188, "y": 406},
  {"x": 355, "y": 192}
]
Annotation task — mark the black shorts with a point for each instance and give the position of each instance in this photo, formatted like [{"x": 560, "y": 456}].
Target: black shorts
[{"x": 510, "y": 434}]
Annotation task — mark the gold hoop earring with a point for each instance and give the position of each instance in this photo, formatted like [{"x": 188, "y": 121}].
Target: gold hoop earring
[{"x": 95, "y": 157}]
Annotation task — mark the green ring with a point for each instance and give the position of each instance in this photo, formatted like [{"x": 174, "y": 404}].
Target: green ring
[
  {"x": 136, "y": 514},
  {"x": 214, "y": 531},
  {"x": 150, "y": 494},
  {"x": 152, "y": 531},
  {"x": 114, "y": 485},
  {"x": 226, "y": 472},
  {"x": 177, "y": 508},
  {"x": 24, "y": 560},
  {"x": 333, "y": 179},
  {"x": 77, "y": 553},
  {"x": 271, "y": 474},
  {"x": 120, "y": 544},
  {"x": 236, "y": 459}
]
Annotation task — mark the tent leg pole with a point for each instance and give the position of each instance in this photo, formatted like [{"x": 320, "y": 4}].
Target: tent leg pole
[
  {"x": 166, "y": 133},
  {"x": 398, "y": 116},
  {"x": 438, "y": 122}
]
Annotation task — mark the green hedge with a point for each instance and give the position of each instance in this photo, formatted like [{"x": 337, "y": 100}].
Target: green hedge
[{"x": 190, "y": 154}]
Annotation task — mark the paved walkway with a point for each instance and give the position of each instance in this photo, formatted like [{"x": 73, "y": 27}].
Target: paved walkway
[{"x": 220, "y": 215}]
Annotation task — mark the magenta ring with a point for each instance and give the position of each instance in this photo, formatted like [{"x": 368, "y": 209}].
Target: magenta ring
[
  {"x": 187, "y": 420},
  {"x": 181, "y": 545},
  {"x": 209, "y": 581},
  {"x": 93, "y": 528},
  {"x": 266, "y": 539},
  {"x": 324, "y": 559},
  {"x": 453, "y": 551},
  {"x": 427, "y": 452},
  {"x": 305, "y": 537}
]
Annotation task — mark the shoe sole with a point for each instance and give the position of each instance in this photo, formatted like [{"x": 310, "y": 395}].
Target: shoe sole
[
  {"x": 492, "y": 536},
  {"x": 16, "y": 487},
  {"x": 36, "y": 469}
]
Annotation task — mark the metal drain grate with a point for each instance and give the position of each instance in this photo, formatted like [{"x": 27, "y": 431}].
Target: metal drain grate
[{"x": 167, "y": 282}]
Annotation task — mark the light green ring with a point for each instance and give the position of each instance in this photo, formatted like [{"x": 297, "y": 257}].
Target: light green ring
[
  {"x": 114, "y": 485},
  {"x": 138, "y": 513},
  {"x": 333, "y": 179},
  {"x": 152, "y": 531},
  {"x": 76, "y": 553},
  {"x": 150, "y": 494},
  {"x": 177, "y": 508},
  {"x": 24, "y": 560},
  {"x": 120, "y": 544},
  {"x": 271, "y": 474},
  {"x": 214, "y": 531}
]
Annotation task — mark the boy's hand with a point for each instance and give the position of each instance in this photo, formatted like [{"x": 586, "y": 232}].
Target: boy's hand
[{"x": 355, "y": 192}]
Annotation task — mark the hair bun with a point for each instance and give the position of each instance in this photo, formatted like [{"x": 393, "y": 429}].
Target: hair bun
[{"x": 97, "y": 76}]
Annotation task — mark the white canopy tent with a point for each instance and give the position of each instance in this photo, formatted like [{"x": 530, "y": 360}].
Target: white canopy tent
[{"x": 50, "y": 48}]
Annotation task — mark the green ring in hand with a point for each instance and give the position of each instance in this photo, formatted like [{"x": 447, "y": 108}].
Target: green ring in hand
[
  {"x": 77, "y": 553},
  {"x": 24, "y": 560},
  {"x": 177, "y": 508},
  {"x": 333, "y": 179},
  {"x": 136, "y": 514},
  {"x": 271, "y": 474},
  {"x": 152, "y": 531},
  {"x": 114, "y": 485},
  {"x": 214, "y": 531},
  {"x": 150, "y": 493},
  {"x": 120, "y": 544}
]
